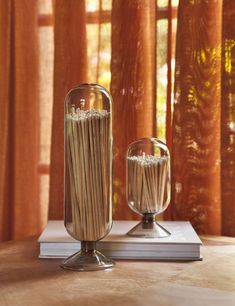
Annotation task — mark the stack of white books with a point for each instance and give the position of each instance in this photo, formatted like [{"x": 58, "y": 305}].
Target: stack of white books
[{"x": 182, "y": 244}]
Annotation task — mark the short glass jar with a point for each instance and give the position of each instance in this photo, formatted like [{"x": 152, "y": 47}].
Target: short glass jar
[{"x": 148, "y": 185}]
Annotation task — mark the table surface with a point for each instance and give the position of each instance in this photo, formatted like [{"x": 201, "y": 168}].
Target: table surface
[{"x": 27, "y": 280}]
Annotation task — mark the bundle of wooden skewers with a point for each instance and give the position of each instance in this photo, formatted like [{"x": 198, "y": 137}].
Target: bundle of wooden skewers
[
  {"x": 148, "y": 183},
  {"x": 88, "y": 149}
]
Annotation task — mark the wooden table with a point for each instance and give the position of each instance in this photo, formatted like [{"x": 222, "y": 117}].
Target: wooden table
[{"x": 26, "y": 280}]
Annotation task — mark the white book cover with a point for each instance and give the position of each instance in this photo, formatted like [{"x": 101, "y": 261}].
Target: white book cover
[{"x": 182, "y": 244}]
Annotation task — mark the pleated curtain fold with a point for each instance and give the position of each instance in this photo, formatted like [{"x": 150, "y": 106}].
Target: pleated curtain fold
[
  {"x": 19, "y": 122},
  {"x": 196, "y": 124},
  {"x": 70, "y": 69},
  {"x": 133, "y": 85},
  {"x": 228, "y": 120}
]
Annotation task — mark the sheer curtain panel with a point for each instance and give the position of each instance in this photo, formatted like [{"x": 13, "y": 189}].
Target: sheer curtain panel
[{"x": 19, "y": 124}]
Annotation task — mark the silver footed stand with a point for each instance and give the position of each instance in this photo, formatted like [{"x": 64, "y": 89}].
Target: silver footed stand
[
  {"x": 148, "y": 228},
  {"x": 87, "y": 259}
]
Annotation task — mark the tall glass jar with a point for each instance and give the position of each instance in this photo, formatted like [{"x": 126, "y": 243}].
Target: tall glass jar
[
  {"x": 148, "y": 185},
  {"x": 88, "y": 173}
]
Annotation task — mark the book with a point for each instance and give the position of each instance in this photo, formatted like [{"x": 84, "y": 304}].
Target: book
[{"x": 182, "y": 244}]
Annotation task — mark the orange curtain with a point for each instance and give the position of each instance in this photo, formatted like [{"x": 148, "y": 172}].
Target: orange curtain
[
  {"x": 228, "y": 120},
  {"x": 203, "y": 121},
  {"x": 133, "y": 70},
  {"x": 203, "y": 126},
  {"x": 69, "y": 70},
  {"x": 19, "y": 196},
  {"x": 196, "y": 121}
]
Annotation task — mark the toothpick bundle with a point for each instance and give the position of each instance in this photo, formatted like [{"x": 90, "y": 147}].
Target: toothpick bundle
[
  {"x": 88, "y": 157},
  {"x": 148, "y": 183}
]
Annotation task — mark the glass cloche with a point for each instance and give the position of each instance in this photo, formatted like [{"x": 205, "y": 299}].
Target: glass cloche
[
  {"x": 148, "y": 185},
  {"x": 88, "y": 173}
]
